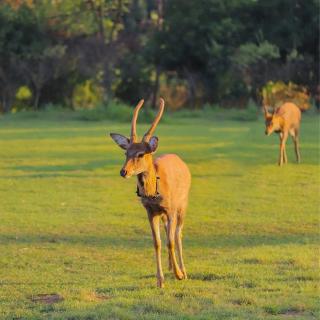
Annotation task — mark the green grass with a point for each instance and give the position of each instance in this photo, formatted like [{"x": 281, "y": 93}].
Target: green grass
[{"x": 71, "y": 226}]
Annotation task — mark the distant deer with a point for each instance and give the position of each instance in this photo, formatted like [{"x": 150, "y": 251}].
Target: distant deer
[
  {"x": 163, "y": 185},
  {"x": 284, "y": 120}
]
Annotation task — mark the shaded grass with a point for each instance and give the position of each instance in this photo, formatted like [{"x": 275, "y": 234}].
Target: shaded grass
[{"x": 71, "y": 227}]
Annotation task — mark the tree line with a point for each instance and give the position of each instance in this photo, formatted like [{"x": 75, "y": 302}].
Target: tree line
[{"x": 80, "y": 53}]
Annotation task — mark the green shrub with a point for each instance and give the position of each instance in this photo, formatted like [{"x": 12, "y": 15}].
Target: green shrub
[
  {"x": 276, "y": 93},
  {"x": 23, "y": 99},
  {"x": 87, "y": 95},
  {"x": 250, "y": 113},
  {"x": 115, "y": 111},
  {"x": 214, "y": 112}
]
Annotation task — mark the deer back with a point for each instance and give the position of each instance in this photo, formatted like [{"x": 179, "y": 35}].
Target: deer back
[
  {"x": 175, "y": 179},
  {"x": 291, "y": 115}
]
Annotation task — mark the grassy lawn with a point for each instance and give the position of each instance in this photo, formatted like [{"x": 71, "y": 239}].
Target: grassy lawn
[{"x": 71, "y": 226}]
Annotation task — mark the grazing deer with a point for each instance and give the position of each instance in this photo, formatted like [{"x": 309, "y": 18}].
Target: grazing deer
[
  {"x": 284, "y": 120},
  {"x": 163, "y": 185}
]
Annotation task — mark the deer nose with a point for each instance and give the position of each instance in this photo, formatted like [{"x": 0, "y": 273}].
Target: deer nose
[{"x": 123, "y": 173}]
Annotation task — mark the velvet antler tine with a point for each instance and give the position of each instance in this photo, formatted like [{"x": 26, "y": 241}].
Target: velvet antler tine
[
  {"x": 150, "y": 132},
  {"x": 266, "y": 113},
  {"x": 133, "y": 136}
]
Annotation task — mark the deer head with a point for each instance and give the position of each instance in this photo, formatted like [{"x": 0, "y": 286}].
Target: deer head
[
  {"x": 272, "y": 120},
  {"x": 138, "y": 154}
]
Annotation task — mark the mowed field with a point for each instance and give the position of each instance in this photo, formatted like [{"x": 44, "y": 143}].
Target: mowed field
[{"x": 72, "y": 228}]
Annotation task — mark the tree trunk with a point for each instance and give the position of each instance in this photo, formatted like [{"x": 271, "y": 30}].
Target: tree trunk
[
  {"x": 192, "y": 88},
  {"x": 6, "y": 102},
  {"x": 117, "y": 20},
  {"x": 37, "y": 98},
  {"x": 100, "y": 21},
  {"x": 155, "y": 89},
  {"x": 2, "y": 105},
  {"x": 98, "y": 15},
  {"x": 159, "y": 28}
]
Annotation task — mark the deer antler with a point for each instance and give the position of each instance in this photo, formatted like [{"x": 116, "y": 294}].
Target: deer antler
[
  {"x": 133, "y": 137},
  {"x": 149, "y": 133},
  {"x": 266, "y": 113}
]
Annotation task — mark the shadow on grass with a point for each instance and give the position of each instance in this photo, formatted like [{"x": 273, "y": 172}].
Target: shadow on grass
[
  {"x": 249, "y": 153},
  {"x": 91, "y": 165},
  {"x": 252, "y": 240},
  {"x": 210, "y": 276},
  {"x": 212, "y": 242},
  {"x": 111, "y": 167},
  {"x": 59, "y": 175}
]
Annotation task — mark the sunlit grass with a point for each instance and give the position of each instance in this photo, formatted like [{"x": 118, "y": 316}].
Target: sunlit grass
[{"x": 71, "y": 226}]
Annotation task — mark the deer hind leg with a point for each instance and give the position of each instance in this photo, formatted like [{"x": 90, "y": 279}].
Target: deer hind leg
[
  {"x": 155, "y": 228},
  {"x": 295, "y": 138},
  {"x": 179, "y": 247},
  {"x": 165, "y": 222},
  {"x": 172, "y": 224},
  {"x": 285, "y": 158}
]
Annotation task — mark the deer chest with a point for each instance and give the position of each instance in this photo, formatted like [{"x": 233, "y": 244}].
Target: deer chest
[{"x": 153, "y": 204}]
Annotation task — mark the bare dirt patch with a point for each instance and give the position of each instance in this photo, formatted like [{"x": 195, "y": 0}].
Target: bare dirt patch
[{"x": 47, "y": 298}]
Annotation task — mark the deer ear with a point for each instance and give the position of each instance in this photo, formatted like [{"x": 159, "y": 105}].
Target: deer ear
[
  {"x": 267, "y": 114},
  {"x": 122, "y": 141},
  {"x": 153, "y": 144}
]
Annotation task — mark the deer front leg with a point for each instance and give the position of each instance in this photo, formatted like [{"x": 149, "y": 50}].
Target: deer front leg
[
  {"x": 283, "y": 156},
  {"x": 172, "y": 223},
  {"x": 155, "y": 228},
  {"x": 165, "y": 222}
]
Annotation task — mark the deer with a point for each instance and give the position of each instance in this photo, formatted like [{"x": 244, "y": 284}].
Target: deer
[
  {"x": 163, "y": 186},
  {"x": 284, "y": 120}
]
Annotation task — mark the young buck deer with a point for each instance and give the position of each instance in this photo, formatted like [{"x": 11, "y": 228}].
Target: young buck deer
[
  {"x": 163, "y": 185},
  {"x": 284, "y": 120}
]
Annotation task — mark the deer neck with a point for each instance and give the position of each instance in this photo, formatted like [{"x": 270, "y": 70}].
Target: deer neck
[
  {"x": 282, "y": 123},
  {"x": 147, "y": 181}
]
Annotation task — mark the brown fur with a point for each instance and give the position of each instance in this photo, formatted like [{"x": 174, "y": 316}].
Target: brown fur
[
  {"x": 285, "y": 120},
  {"x": 163, "y": 185}
]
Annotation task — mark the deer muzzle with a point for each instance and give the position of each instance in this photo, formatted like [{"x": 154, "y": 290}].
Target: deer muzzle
[{"x": 123, "y": 173}]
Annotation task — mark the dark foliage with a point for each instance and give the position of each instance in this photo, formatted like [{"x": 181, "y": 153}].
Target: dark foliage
[{"x": 222, "y": 52}]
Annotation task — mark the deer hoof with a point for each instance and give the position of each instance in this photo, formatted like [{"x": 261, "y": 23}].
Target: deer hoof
[
  {"x": 179, "y": 275},
  {"x": 160, "y": 283}
]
